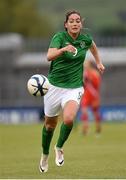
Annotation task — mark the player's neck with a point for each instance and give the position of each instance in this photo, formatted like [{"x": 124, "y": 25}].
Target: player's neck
[{"x": 73, "y": 35}]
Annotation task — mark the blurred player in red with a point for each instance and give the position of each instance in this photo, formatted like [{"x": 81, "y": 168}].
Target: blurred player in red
[{"x": 91, "y": 97}]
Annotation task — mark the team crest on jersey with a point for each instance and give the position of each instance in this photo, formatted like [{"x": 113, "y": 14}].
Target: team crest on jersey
[{"x": 82, "y": 44}]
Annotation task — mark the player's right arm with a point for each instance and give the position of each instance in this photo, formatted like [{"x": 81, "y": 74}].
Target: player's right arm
[
  {"x": 53, "y": 53},
  {"x": 55, "y": 48}
]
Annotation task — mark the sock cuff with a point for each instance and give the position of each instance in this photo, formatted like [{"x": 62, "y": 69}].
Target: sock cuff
[
  {"x": 47, "y": 130},
  {"x": 67, "y": 126}
]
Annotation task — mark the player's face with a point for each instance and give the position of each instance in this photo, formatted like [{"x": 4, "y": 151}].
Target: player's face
[{"x": 73, "y": 24}]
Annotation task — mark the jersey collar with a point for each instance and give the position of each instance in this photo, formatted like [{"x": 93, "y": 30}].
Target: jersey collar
[{"x": 70, "y": 38}]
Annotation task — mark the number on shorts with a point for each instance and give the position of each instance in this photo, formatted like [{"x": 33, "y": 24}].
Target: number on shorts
[{"x": 79, "y": 95}]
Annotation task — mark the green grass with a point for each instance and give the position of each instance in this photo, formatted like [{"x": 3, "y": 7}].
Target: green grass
[{"x": 85, "y": 156}]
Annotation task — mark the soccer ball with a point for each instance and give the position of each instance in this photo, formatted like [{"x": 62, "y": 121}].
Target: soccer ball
[{"x": 38, "y": 85}]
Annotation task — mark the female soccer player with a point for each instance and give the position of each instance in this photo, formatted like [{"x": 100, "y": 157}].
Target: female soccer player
[
  {"x": 91, "y": 96},
  {"x": 66, "y": 52}
]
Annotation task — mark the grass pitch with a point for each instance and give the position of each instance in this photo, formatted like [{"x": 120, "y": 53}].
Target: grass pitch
[{"x": 85, "y": 156}]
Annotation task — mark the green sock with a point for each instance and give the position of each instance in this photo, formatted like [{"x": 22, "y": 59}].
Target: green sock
[
  {"x": 64, "y": 133},
  {"x": 46, "y": 139}
]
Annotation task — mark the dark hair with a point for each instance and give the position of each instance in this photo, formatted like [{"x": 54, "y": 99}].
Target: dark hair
[{"x": 69, "y": 13}]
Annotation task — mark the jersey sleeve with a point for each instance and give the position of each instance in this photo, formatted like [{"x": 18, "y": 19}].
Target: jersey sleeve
[
  {"x": 89, "y": 40},
  {"x": 56, "y": 41}
]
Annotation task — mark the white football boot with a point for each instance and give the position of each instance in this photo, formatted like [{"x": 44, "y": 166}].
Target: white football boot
[
  {"x": 59, "y": 160},
  {"x": 43, "y": 167}
]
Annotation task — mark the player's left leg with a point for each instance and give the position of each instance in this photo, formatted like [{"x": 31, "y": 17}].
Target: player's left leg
[
  {"x": 69, "y": 114},
  {"x": 70, "y": 104}
]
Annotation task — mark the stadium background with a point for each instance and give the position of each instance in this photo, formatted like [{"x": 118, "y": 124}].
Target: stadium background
[{"x": 23, "y": 53}]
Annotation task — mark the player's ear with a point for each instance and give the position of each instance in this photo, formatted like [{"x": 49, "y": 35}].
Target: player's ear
[{"x": 65, "y": 25}]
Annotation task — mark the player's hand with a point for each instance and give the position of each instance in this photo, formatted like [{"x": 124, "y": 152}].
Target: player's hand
[
  {"x": 100, "y": 67},
  {"x": 69, "y": 48}
]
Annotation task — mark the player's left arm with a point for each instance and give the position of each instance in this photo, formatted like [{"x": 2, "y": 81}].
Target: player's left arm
[{"x": 95, "y": 53}]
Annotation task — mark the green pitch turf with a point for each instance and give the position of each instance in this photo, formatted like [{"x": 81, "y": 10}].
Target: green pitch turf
[{"x": 85, "y": 156}]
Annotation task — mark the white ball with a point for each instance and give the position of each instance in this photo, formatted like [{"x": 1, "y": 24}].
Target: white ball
[{"x": 38, "y": 85}]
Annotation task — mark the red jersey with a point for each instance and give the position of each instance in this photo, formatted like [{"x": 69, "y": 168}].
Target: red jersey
[{"x": 92, "y": 81}]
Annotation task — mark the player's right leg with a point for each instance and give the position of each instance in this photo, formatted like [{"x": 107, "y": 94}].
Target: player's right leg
[
  {"x": 47, "y": 134},
  {"x": 51, "y": 111}
]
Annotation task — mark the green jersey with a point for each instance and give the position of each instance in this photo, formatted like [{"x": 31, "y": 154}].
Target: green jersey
[{"x": 67, "y": 70}]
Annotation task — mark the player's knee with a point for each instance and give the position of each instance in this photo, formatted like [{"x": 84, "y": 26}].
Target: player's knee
[
  {"x": 68, "y": 119},
  {"x": 50, "y": 126},
  {"x": 50, "y": 123}
]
